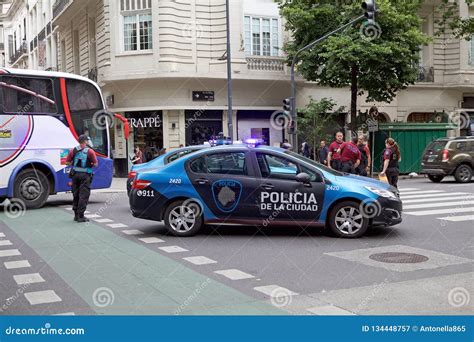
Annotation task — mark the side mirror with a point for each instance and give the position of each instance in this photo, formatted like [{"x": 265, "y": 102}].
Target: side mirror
[{"x": 303, "y": 177}]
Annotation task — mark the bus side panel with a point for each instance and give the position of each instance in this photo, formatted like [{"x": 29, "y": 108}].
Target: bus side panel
[{"x": 103, "y": 173}]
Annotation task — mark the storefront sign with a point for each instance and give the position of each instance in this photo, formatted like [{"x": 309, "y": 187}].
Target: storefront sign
[
  {"x": 149, "y": 122},
  {"x": 203, "y": 96}
]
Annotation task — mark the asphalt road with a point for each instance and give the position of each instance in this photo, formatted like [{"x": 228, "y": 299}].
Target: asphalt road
[{"x": 118, "y": 264}]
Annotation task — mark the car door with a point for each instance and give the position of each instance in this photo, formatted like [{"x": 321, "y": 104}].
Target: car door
[
  {"x": 226, "y": 182},
  {"x": 281, "y": 197}
]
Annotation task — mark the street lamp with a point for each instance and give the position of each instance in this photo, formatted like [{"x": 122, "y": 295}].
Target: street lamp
[
  {"x": 370, "y": 8},
  {"x": 230, "y": 126}
]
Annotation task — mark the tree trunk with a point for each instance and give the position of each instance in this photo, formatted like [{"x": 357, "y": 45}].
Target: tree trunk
[{"x": 354, "y": 91}]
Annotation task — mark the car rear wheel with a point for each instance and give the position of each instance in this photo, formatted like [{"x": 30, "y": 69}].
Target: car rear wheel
[
  {"x": 436, "y": 178},
  {"x": 32, "y": 188},
  {"x": 347, "y": 220},
  {"x": 463, "y": 174},
  {"x": 183, "y": 218}
]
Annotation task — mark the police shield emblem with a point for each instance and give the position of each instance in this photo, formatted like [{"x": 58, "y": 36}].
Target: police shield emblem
[{"x": 226, "y": 194}]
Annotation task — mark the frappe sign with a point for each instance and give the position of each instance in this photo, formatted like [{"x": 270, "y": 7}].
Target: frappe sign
[{"x": 149, "y": 122}]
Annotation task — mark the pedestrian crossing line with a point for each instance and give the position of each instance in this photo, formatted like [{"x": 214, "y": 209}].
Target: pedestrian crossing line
[
  {"x": 330, "y": 310},
  {"x": 132, "y": 232},
  {"x": 421, "y": 192},
  {"x": 275, "y": 291},
  {"x": 434, "y": 195},
  {"x": 234, "y": 274},
  {"x": 173, "y": 249},
  {"x": 9, "y": 265},
  {"x": 32, "y": 278},
  {"x": 117, "y": 225},
  {"x": 2, "y": 235},
  {"x": 441, "y": 211},
  {"x": 457, "y": 218},
  {"x": 105, "y": 220},
  {"x": 437, "y": 205},
  {"x": 5, "y": 243},
  {"x": 93, "y": 216},
  {"x": 42, "y": 297},
  {"x": 151, "y": 240},
  {"x": 407, "y": 189},
  {"x": 452, "y": 198},
  {"x": 9, "y": 252},
  {"x": 200, "y": 260}
]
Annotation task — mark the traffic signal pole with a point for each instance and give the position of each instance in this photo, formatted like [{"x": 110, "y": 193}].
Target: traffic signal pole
[{"x": 370, "y": 8}]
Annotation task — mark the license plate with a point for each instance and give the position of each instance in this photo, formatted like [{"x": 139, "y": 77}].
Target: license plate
[{"x": 431, "y": 159}]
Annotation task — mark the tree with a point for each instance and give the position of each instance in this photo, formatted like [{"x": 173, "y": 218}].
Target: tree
[
  {"x": 448, "y": 11},
  {"x": 377, "y": 59},
  {"x": 316, "y": 118}
]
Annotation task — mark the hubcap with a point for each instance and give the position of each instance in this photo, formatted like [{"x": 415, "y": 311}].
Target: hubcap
[
  {"x": 464, "y": 174},
  {"x": 30, "y": 189},
  {"x": 182, "y": 218},
  {"x": 349, "y": 220}
]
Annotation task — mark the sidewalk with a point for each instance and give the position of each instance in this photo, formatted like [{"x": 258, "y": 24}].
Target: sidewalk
[{"x": 118, "y": 185}]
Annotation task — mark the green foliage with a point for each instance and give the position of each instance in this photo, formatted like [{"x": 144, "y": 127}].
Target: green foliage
[
  {"x": 449, "y": 19},
  {"x": 317, "y": 118},
  {"x": 386, "y": 62}
]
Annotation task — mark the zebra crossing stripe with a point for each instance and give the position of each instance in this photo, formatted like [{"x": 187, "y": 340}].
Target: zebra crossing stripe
[
  {"x": 441, "y": 211},
  {"x": 439, "y": 205},
  {"x": 457, "y": 218},
  {"x": 407, "y": 189},
  {"x": 421, "y": 192},
  {"x": 434, "y": 195},
  {"x": 452, "y": 198}
]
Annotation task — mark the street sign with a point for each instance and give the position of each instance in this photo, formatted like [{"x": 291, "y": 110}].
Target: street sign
[
  {"x": 205, "y": 95},
  {"x": 373, "y": 125}
]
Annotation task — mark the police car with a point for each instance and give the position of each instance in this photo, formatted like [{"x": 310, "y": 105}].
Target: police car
[{"x": 261, "y": 185}]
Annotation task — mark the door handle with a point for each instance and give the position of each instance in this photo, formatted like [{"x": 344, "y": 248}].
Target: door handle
[
  {"x": 202, "y": 181},
  {"x": 267, "y": 186}
]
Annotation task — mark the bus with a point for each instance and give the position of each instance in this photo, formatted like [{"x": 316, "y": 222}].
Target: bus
[{"x": 42, "y": 114}]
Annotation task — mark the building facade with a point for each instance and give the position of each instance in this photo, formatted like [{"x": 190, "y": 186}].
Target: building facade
[{"x": 162, "y": 64}]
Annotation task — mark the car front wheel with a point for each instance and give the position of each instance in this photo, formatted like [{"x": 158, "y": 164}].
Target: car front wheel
[
  {"x": 347, "y": 220},
  {"x": 463, "y": 174},
  {"x": 435, "y": 178},
  {"x": 183, "y": 218}
]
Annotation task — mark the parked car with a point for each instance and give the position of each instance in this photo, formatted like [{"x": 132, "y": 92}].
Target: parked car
[{"x": 449, "y": 157}]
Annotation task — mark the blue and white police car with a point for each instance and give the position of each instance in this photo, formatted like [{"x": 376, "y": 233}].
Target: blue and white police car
[{"x": 261, "y": 185}]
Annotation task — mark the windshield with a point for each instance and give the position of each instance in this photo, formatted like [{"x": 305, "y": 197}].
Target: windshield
[
  {"x": 436, "y": 146},
  {"x": 85, "y": 101},
  {"x": 315, "y": 164}
]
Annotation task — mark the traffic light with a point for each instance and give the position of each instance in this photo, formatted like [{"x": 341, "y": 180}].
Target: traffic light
[
  {"x": 287, "y": 105},
  {"x": 370, "y": 10}
]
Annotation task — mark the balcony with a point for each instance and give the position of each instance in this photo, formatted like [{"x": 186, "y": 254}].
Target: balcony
[
  {"x": 59, "y": 6},
  {"x": 425, "y": 74},
  {"x": 264, "y": 63},
  {"x": 20, "y": 53}
]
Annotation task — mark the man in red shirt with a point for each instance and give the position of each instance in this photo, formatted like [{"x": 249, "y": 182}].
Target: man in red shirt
[
  {"x": 334, "y": 157},
  {"x": 83, "y": 159},
  {"x": 350, "y": 156}
]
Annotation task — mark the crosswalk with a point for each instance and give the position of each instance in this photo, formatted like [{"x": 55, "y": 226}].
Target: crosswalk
[{"x": 444, "y": 205}]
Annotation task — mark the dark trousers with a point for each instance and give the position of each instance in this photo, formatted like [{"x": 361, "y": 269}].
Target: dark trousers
[
  {"x": 362, "y": 170},
  {"x": 348, "y": 166},
  {"x": 392, "y": 176},
  {"x": 336, "y": 164},
  {"x": 81, "y": 191}
]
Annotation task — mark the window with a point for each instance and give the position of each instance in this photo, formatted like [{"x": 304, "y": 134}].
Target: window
[
  {"x": 262, "y": 36},
  {"x": 137, "y": 25},
  {"x": 230, "y": 163},
  {"x": 276, "y": 167},
  {"x": 28, "y": 95}
]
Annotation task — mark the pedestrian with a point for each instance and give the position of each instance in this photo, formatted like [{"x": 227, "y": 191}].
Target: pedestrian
[
  {"x": 350, "y": 156},
  {"x": 334, "y": 158},
  {"x": 305, "y": 150},
  {"x": 391, "y": 159},
  {"x": 323, "y": 151},
  {"x": 286, "y": 145},
  {"x": 366, "y": 160},
  {"x": 83, "y": 159},
  {"x": 137, "y": 157}
]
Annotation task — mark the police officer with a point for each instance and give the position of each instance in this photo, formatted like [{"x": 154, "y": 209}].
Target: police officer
[
  {"x": 83, "y": 159},
  {"x": 334, "y": 158},
  {"x": 350, "y": 156},
  {"x": 391, "y": 157},
  {"x": 365, "y": 160}
]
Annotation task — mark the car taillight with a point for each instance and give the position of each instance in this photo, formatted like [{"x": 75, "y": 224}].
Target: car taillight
[
  {"x": 445, "y": 155},
  {"x": 132, "y": 174},
  {"x": 140, "y": 184}
]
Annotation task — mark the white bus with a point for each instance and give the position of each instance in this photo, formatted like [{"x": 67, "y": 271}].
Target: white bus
[{"x": 42, "y": 115}]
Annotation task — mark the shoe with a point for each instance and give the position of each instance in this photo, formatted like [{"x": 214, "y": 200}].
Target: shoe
[
  {"x": 82, "y": 220},
  {"x": 76, "y": 218}
]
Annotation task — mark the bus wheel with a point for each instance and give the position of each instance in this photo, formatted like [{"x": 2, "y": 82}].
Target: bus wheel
[{"x": 31, "y": 187}]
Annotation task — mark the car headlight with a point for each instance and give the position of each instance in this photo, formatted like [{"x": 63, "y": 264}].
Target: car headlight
[{"x": 382, "y": 192}]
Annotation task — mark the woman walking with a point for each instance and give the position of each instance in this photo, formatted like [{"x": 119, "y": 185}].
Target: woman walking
[{"x": 391, "y": 160}]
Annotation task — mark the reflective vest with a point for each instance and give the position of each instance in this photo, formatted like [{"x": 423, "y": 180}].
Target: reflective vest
[{"x": 80, "y": 163}]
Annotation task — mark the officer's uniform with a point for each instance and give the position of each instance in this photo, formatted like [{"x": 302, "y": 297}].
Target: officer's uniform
[
  {"x": 336, "y": 157},
  {"x": 393, "y": 169},
  {"x": 82, "y": 160},
  {"x": 350, "y": 154},
  {"x": 364, "y": 161}
]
